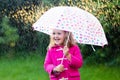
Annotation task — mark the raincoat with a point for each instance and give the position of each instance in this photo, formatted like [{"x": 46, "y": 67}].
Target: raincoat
[{"x": 54, "y": 57}]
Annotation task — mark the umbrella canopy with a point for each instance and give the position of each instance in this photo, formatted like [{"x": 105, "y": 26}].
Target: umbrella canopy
[{"x": 85, "y": 27}]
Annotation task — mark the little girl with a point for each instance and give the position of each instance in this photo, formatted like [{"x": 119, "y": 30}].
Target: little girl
[{"x": 57, "y": 66}]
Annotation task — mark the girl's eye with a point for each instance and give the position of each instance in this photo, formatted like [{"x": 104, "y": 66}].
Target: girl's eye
[
  {"x": 53, "y": 33},
  {"x": 59, "y": 33},
  {"x": 56, "y": 33}
]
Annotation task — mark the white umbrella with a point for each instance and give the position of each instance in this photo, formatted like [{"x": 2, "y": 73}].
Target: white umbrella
[{"x": 85, "y": 27}]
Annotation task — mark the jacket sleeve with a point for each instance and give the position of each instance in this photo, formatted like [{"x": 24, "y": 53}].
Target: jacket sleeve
[
  {"x": 48, "y": 65},
  {"x": 76, "y": 58}
]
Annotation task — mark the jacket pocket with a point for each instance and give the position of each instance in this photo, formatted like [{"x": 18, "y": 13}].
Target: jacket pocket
[{"x": 76, "y": 74}]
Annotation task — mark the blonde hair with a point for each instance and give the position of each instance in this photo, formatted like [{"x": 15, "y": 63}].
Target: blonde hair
[{"x": 70, "y": 42}]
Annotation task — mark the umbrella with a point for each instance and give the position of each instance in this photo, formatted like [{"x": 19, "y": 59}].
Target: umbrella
[{"x": 85, "y": 27}]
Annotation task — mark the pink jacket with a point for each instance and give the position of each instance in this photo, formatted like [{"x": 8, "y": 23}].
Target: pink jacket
[{"x": 54, "y": 57}]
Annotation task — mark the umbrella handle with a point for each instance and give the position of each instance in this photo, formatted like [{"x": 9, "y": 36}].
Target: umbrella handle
[
  {"x": 67, "y": 39},
  {"x": 65, "y": 45}
]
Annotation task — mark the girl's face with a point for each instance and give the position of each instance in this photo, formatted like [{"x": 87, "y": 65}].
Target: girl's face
[{"x": 58, "y": 36}]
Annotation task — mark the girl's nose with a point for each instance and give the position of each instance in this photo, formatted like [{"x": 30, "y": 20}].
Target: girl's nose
[{"x": 55, "y": 35}]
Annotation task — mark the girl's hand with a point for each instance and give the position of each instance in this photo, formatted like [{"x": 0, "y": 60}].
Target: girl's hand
[
  {"x": 66, "y": 52},
  {"x": 59, "y": 68}
]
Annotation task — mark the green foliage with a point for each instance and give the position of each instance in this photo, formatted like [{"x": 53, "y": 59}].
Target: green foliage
[
  {"x": 22, "y": 14},
  {"x": 43, "y": 40},
  {"x": 8, "y": 34},
  {"x": 8, "y": 37},
  {"x": 50, "y": 2}
]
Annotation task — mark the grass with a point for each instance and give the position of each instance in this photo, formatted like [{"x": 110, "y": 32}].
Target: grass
[
  {"x": 100, "y": 72},
  {"x": 31, "y": 68}
]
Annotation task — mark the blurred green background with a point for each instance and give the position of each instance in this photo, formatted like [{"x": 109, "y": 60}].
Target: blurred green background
[{"x": 22, "y": 50}]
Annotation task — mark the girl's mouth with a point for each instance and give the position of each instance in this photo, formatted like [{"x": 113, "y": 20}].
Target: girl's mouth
[{"x": 57, "y": 39}]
